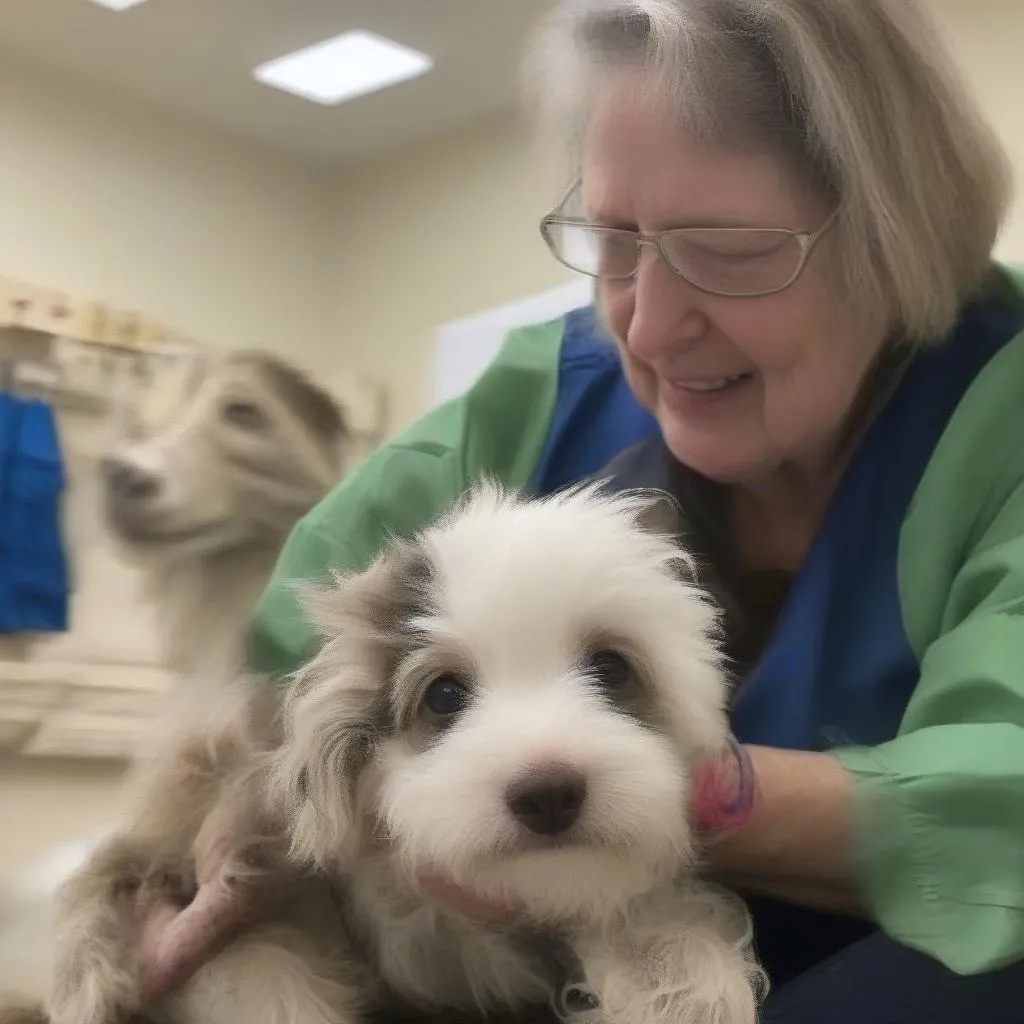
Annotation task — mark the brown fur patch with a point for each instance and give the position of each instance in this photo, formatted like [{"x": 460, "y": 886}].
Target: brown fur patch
[
  {"x": 391, "y": 598},
  {"x": 307, "y": 400}
]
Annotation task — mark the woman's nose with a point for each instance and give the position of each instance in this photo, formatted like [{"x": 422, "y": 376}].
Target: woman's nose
[{"x": 666, "y": 310}]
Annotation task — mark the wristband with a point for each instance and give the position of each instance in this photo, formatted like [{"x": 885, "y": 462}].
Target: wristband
[{"x": 723, "y": 793}]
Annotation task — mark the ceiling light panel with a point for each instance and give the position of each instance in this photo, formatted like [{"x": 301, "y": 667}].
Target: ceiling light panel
[
  {"x": 118, "y": 5},
  {"x": 350, "y": 65}
]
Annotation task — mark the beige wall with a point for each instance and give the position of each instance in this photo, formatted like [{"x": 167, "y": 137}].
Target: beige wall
[
  {"x": 42, "y": 805},
  {"x": 987, "y": 36},
  {"x": 111, "y": 200},
  {"x": 241, "y": 248},
  {"x": 449, "y": 230}
]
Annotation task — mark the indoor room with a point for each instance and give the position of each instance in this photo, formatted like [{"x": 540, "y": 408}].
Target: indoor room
[{"x": 324, "y": 217}]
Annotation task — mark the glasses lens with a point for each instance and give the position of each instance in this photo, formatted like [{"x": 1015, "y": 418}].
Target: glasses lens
[
  {"x": 599, "y": 252},
  {"x": 734, "y": 261}
]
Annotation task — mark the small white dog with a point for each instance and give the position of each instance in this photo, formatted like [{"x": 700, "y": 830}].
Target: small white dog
[{"x": 514, "y": 700}]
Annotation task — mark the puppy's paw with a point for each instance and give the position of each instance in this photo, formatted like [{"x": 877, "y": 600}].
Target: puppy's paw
[
  {"x": 95, "y": 936},
  {"x": 103, "y": 996},
  {"x": 248, "y": 869},
  {"x": 124, "y": 888},
  {"x": 168, "y": 883},
  {"x": 685, "y": 958}
]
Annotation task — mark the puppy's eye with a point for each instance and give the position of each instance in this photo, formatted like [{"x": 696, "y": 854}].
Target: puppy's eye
[
  {"x": 610, "y": 669},
  {"x": 447, "y": 698},
  {"x": 246, "y": 415}
]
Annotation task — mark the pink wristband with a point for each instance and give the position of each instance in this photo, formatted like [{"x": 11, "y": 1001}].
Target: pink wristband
[{"x": 723, "y": 792}]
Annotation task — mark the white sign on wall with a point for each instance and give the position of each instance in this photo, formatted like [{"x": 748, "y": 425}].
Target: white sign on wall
[{"x": 464, "y": 348}]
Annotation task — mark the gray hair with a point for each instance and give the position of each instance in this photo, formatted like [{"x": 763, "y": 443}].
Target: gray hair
[{"x": 862, "y": 93}]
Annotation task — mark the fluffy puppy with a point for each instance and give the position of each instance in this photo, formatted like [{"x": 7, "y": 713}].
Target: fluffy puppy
[{"x": 516, "y": 700}]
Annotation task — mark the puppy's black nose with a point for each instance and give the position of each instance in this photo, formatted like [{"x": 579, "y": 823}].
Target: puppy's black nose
[
  {"x": 127, "y": 480},
  {"x": 548, "y": 800}
]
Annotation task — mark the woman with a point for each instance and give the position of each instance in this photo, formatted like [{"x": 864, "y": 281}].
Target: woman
[{"x": 789, "y": 210}]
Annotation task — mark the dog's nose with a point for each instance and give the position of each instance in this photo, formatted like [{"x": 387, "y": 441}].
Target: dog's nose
[
  {"x": 128, "y": 480},
  {"x": 548, "y": 800}
]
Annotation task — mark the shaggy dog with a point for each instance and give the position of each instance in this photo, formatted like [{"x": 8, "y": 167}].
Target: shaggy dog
[
  {"x": 204, "y": 485},
  {"x": 515, "y": 699}
]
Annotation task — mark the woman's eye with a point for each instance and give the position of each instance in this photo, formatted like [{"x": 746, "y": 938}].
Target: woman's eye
[
  {"x": 446, "y": 698},
  {"x": 737, "y": 255},
  {"x": 246, "y": 415},
  {"x": 736, "y": 247},
  {"x": 610, "y": 669}
]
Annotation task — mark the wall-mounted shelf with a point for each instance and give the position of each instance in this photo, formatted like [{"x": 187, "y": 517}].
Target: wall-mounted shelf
[{"x": 89, "y": 322}]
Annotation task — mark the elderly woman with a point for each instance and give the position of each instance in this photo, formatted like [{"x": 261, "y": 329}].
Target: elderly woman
[{"x": 789, "y": 209}]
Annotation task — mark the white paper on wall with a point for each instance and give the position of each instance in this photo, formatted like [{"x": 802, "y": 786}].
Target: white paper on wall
[{"x": 464, "y": 348}]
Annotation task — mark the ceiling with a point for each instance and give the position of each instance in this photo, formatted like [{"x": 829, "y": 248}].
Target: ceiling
[{"x": 195, "y": 57}]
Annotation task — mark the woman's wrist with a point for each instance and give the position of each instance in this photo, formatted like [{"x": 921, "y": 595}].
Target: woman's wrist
[
  {"x": 795, "y": 843},
  {"x": 724, "y": 791}
]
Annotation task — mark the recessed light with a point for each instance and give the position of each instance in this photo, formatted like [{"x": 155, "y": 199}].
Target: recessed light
[
  {"x": 118, "y": 5},
  {"x": 352, "y": 64}
]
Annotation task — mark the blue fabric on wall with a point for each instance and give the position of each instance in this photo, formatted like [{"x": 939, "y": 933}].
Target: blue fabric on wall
[{"x": 34, "y": 588}]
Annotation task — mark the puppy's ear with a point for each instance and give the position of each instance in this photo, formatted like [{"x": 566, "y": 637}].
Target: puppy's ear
[
  {"x": 330, "y": 715},
  {"x": 661, "y": 514},
  {"x": 394, "y": 588},
  {"x": 323, "y": 603},
  {"x": 337, "y": 706},
  {"x": 328, "y": 723}
]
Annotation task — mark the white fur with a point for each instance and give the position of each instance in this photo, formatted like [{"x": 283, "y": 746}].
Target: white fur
[
  {"x": 519, "y": 589},
  {"x": 365, "y": 787},
  {"x": 445, "y": 807}
]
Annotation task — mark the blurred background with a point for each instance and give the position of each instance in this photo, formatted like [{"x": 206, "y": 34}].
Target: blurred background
[{"x": 165, "y": 186}]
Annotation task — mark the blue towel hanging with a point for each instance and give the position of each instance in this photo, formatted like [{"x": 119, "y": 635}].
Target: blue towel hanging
[{"x": 34, "y": 587}]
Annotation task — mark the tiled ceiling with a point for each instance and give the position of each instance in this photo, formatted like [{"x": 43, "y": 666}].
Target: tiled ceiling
[{"x": 196, "y": 57}]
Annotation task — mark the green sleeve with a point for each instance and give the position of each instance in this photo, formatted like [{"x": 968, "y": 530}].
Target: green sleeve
[
  {"x": 939, "y": 821},
  {"x": 498, "y": 427}
]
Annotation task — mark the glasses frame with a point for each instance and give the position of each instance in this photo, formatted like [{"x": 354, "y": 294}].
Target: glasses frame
[{"x": 807, "y": 240}]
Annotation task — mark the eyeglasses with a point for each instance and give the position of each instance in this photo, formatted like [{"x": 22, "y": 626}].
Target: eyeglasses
[{"x": 733, "y": 262}]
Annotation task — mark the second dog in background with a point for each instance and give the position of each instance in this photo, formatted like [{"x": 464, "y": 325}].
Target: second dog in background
[{"x": 203, "y": 487}]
